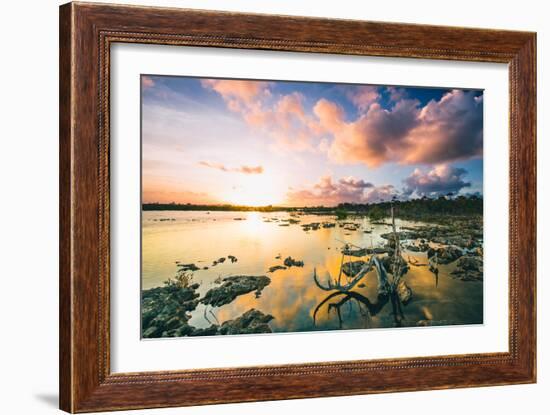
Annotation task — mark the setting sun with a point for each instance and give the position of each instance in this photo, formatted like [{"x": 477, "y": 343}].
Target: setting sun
[{"x": 258, "y": 190}]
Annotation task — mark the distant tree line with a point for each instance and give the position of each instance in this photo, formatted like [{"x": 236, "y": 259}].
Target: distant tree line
[{"x": 409, "y": 209}]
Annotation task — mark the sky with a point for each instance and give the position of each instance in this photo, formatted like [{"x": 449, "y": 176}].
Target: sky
[{"x": 257, "y": 143}]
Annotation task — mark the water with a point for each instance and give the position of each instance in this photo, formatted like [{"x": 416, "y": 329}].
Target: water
[{"x": 201, "y": 237}]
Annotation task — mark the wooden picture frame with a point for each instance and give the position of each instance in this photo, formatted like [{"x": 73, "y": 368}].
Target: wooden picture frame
[{"x": 86, "y": 33}]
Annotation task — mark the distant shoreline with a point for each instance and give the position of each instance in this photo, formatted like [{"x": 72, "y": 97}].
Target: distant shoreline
[{"x": 421, "y": 209}]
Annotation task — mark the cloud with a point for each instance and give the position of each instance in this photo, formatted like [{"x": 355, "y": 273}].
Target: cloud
[
  {"x": 363, "y": 96},
  {"x": 382, "y": 193},
  {"x": 327, "y": 191},
  {"x": 440, "y": 180},
  {"x": 147, "y": 82},
  {"x": 237, "y": 93},
  {"x": 241, "y": 169},
  {"x": 330, "y": 114},
  {"x": 442, "y": 131},
  {"x": 281, "y": 117},
  {"x": 374, "y": 138},
  {"x": 395, "y": 93}
]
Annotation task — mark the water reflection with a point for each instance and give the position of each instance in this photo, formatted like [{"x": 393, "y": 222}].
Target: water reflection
[{"x": 262, "y": 240}]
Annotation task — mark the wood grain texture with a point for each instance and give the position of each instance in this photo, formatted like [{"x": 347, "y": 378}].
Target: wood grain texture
[{"x": 86, "y": 33}]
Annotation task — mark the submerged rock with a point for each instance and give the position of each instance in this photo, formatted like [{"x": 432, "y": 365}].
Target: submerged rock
[
  {"x": 234, "y": 286},
  {"x": 291, "y": 262},
  {"x": 251, "y": 322}
]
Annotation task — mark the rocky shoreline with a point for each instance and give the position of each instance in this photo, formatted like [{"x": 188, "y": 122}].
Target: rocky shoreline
[{"x": 166, "y": 310}]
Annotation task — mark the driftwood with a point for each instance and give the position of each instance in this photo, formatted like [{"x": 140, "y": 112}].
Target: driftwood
[
  {"x": 383, "y": 283},
  {"x": 394, "y": 290}
]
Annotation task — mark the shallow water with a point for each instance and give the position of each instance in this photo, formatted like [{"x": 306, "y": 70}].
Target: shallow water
[{"x": 201, "y": 237}]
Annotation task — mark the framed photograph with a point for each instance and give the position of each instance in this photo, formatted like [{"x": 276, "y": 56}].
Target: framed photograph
[{"x": 260, "y": 207}]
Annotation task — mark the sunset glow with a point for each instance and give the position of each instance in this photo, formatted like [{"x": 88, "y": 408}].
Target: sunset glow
[{"x": 258, "y": 143}]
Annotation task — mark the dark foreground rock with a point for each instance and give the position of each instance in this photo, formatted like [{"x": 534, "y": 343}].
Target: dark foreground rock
[
  {"x": 469, "y": 268},
  {"x": 251, "y": 322},
  {"x": 234, "y": 286},
  {"x": 165, "y": 310}
]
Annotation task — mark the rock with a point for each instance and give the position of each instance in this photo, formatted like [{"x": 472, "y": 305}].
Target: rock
[
  {"x": 291, "y": 262},
  {"x": 329, "y": 225},
  {"x": 356, "y": 252},
  {"x": 445, "y": 255},
  {"x": 209, "y": 331},
  {"x": 218, "y": 261},
  {"x": 232, "y": 258},
  {"x": 276, "y": 268},
  {"x": 234, "y": 286},
  {"x": 351, "y": 226},
  {"x": 351, "y": 268},
  {"x": 469, "y": 268},
  {"x": 151, "y": 331},
  {"x": 311, "y": 226},
  {"x": 165, "y": 309},
  {"x": 188, "y": 267},
  {"x": 251, "y": 322}
]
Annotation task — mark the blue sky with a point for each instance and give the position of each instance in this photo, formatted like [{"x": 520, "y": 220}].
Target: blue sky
[{"x": 260, "y": 142}]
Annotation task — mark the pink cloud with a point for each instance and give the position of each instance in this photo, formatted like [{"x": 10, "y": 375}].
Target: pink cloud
[
  {"x": 237, "y": 92},
  {"x": 282, "y": 118},
  {"x": 147, "y": 82},
  {"x": 329, "y": 192},
  {"x": 442, "y": 131},
  {"x": 241, "y": 169},
  {"x": 330, "y": 114},
  {"x": 363, "y": 96}
]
